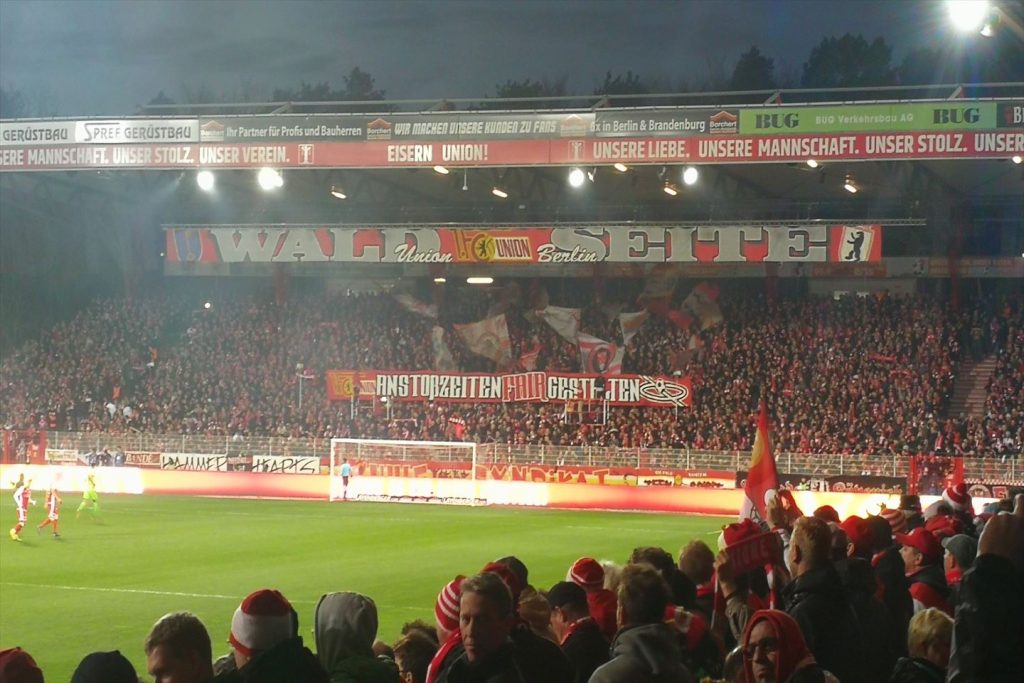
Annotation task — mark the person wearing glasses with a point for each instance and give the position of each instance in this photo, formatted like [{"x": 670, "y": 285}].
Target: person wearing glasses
[{"x": 774, "y": 651}]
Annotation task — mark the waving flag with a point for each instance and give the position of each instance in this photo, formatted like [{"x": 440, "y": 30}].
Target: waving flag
[
  {"x": 564, "y": 321},
  {"x": 443, "y": 360},
  {"x": 600, "y": 357},
  {"x": 414, "y": 305},
  {"x": 762, "y": 477},
  {"x": 631, "y": 324},
  {"x": 488, "y": 338},
  {"x": 702, "y": 302}
]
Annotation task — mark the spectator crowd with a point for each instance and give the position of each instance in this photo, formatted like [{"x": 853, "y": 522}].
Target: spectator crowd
[
  {"x": 869, "y": 375},
  {"x": 908, "y": 596}
]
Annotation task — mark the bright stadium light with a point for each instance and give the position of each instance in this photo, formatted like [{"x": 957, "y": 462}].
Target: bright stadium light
[
  {"x": 812, "y": 163},
  {"x": 850, "y": 186},
  {"x": 577, "y": 177},
  {"x": 670, "y": 189},
  {"x": 968, "y": 15},
  {"x": 691, "y": 175},
  {"x": 440, "y": 280},
  {"x": 269, "y": 179},
  {"x": 621, "y": 167},
  {"x": 498, "y": 192},
  {"x": 206, "y": 180},
  {"x": 338, "y": 192},
  {"x": 441, "y": 169},
  {"x": 1016, "y": 158},
  {"x": 207, "y": 305},
  {"x": 483, "y": 280}
]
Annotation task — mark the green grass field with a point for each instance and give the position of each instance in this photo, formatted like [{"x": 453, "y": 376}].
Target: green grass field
[{"x": 103, "y": 584}]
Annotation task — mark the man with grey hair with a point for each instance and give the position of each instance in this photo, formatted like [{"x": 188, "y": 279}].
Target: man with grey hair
[
  {"x": 178, "y": 650},
  {"x": 645, "y": 648},
  {"x": 486, "y": 619}
]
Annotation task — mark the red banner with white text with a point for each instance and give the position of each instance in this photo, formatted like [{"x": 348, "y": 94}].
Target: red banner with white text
[{"x": 619, "y": 390}]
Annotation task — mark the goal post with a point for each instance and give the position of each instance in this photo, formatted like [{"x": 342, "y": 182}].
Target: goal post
[{"x": 383, "y": 469}]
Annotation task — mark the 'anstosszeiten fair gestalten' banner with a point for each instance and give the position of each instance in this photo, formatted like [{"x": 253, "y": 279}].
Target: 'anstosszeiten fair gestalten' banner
[{"x": 534, "y": 387}]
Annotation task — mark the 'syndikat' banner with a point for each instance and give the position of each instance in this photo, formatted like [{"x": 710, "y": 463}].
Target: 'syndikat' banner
[
  {"x": 528, "y": 245},
  {"x": 540, "y": 387},
  {"x": 572, "y": 474},
  {"x": 707, "y": 149}
]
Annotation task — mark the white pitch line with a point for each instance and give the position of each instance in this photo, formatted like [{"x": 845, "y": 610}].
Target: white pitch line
[{"x": 102, "y": 589}]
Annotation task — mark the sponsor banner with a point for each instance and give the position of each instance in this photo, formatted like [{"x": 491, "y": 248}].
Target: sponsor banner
[
  {"x": 476, "y": 126},
  {"x": 708, "y": 149},
  {"x": 36, "y": 133},
  {"x": 63, "y": 456},
  {"x": 142, "y": 458},
  {"x": 527, "y": 245},
  {"x": 200, "y": 462},
  {"x": 665, "y": 122},
  {"x": 619, "y": 390},
  {"x": 852, "y": 118},
  {"x": 1010, "y": 114},
  {"x": 286, "y": 464},
  {"x": 136, "y": 131},
  {"x": 837, "y": 483}
]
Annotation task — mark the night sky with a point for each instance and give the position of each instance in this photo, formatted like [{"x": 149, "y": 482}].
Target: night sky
[{"x": 96, "y": 58}]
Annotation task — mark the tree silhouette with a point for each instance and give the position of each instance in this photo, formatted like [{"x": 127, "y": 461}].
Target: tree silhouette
[
  {"x": 753, "y": 71},
  {"x": 849, "y": 61}
]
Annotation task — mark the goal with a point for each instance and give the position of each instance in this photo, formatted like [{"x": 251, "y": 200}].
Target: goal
[{"x": 408, "y": 471}]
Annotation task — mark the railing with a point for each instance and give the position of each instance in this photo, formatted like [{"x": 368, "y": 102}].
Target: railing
[{"x": 990, "y": 468}]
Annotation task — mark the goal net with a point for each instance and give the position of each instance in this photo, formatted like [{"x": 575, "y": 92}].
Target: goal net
[{"x": 405, "y": 471}]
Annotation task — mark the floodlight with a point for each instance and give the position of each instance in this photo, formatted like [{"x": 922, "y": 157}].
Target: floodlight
[
  {"x": 338, "y": 192},
  {"x": 441, "y": 169},
  {"x": 479, "y": 280},
  {"x": 670, "y": 189},
  {"x": 498, "y": 192},
  {"x": 691, "y": 175},
  {"x": 968, "y": 15},
  {"x": 812, "y": 163},
  {"x": 621, "y": 167},
  {"x": 269, "y": 179},
  {"x": 577, "y": 178},
  {"x": 206, "y": 180},
  {"x": 850, "y": 186}
]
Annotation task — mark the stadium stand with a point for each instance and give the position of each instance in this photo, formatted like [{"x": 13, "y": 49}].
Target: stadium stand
[{"x": 868, "y": 375}]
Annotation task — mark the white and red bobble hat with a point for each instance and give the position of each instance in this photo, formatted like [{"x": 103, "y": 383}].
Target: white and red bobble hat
[
  {"x": 263, "y": 620},
  {"x": 587, "y": 573},
  {"x": 957, "y": 497},
  {"x": 446, "y": 609}
]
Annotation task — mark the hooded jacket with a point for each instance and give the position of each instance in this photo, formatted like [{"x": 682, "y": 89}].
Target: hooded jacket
[
  {"x": 345, "y": 625},
  {"x": 819, "y": 604},
  {"x": 644, "y": 654}
]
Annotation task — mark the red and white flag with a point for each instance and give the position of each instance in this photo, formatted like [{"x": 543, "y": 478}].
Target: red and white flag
[
  {"x": 564, "y": 321},
  {"x": 488, "y": 338},
  {"x": 762, "y": 477},
  {"x": 631, "y": 324},
  {"x": 600, "y": 357},
  {"x": 414, "y": 305},
  {"x": 458, "y": 426}
]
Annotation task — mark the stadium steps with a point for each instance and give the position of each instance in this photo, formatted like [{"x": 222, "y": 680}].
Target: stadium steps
[{"x": 969, "y": 394}]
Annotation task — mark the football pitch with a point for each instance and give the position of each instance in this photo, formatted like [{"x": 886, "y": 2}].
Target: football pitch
[{"x": 106, "y": 580}]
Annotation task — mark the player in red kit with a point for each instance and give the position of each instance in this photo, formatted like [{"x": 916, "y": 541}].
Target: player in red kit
[
  {"x": 22, "y": 499},
  {"x": 52, "y": 512}
]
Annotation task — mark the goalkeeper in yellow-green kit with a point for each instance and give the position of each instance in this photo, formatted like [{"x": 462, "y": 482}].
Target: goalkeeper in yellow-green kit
[{"x": 89, "y": 496}]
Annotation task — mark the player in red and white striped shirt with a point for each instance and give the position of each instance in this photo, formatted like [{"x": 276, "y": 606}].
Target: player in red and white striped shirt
[
  {"x": 22, "y": 499},
  {"x": 52, "y": 511}
]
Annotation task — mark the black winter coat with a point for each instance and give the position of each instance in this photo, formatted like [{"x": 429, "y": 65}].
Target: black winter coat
[
  {"x": 818, "y": 602},
  {"x": 882, "y": 640},
  {"x": 587, "y": 649},
  {"x": 988, "y": 637},
  {"x": 289, "y": 662},
  {"x": 916, "y": 670}
]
